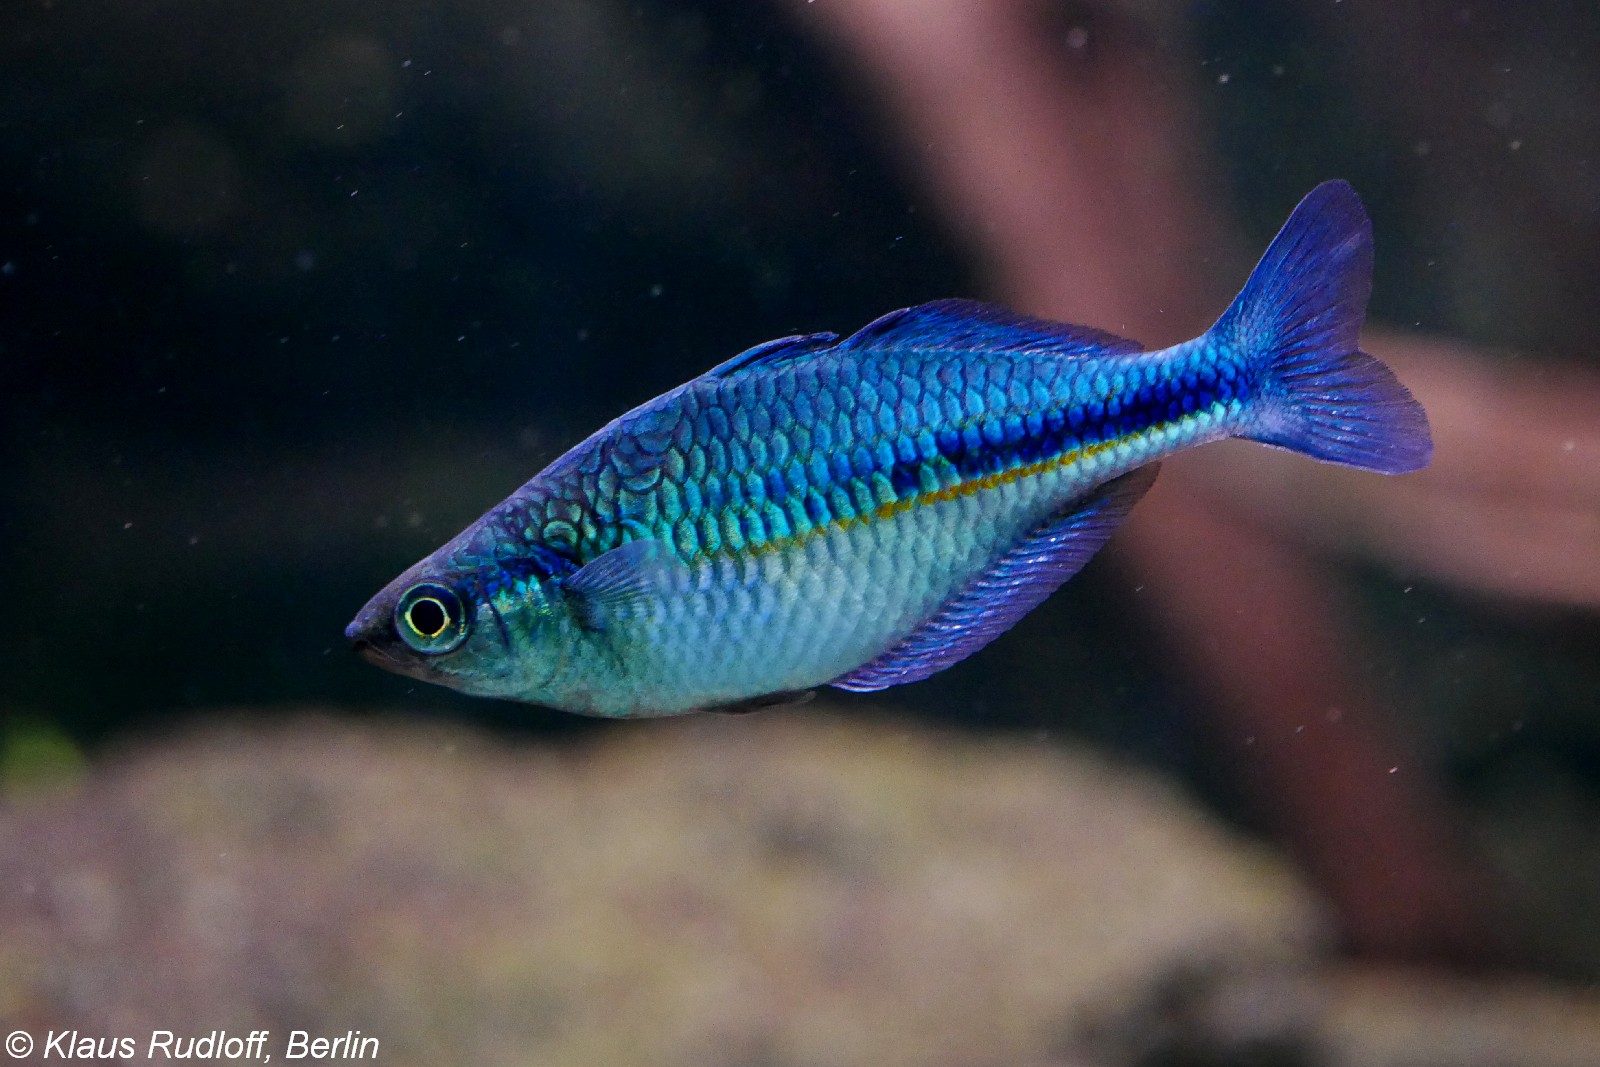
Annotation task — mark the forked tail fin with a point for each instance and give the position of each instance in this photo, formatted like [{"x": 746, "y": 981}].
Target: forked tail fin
[{"x": 1298, "y": 322}]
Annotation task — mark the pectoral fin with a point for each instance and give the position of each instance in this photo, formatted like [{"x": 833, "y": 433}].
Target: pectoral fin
[{"x": 620, "y": 582}]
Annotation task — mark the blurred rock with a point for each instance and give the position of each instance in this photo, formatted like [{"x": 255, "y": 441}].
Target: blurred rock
[{"x": 783, "y": 889}]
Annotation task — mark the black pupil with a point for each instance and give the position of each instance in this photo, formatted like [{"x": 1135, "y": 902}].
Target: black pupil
[{"x": 428, "y": 617}]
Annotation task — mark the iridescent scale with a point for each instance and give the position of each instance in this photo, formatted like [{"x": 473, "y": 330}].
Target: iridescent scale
[
  {"x": 766, "y": 458},
  {"x": 828, "y": 497}
]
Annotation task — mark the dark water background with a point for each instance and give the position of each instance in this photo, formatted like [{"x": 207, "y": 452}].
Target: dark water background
[
  {"x": 293, "y": 294},
  {"x": 290, "y": 293}
]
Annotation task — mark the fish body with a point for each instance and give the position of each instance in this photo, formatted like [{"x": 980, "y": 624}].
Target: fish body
[{"x": 866, "y": 511}]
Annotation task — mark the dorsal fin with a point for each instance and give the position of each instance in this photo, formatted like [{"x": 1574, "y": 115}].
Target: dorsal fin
[
  {"x": 1015, "y": 583},
  {"x": 770, "y": 352},
  {"x": 973, "y": 326}
]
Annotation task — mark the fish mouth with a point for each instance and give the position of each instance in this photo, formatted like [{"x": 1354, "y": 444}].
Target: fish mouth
[
  {"x": 369, "y": 643},
  {"x": 380, "y": 650},
  {"x": 372, "y": 653},
  {"x": 382, "y": 657}
]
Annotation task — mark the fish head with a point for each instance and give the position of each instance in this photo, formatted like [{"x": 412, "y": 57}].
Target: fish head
[{"x": 448, "y": 625}]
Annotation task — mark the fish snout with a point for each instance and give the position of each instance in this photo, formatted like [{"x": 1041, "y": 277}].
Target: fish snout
[{"x": 370, "y": 636}]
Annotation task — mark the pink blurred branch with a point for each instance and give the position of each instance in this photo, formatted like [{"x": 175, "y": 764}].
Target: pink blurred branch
[
  {"x": 1055, "y": 164},
  {"x": 1067, "y": 155}
]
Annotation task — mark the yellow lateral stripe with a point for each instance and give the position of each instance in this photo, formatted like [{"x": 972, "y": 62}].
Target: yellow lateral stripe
[{"x": 939, "y": 496}]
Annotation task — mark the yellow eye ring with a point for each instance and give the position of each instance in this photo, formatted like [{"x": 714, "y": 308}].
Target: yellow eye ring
[{"x": 434, "y": 617}]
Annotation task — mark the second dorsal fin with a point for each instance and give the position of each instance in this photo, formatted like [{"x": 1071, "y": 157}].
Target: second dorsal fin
[{"x": 973, "y": 326}]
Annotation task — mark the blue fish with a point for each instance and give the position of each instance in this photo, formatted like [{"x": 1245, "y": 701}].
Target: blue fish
[{"x": 866, "y": 511}]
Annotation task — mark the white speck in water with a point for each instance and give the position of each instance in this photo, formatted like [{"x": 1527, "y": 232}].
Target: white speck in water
[
  {"x": 1277, "y": 70},
  {"x": 657, "y": 289},
  {"x": 1222, "y": 79},
  {"x": 405, "y": 63},
  {"x": 127, "y": 526},
  {"x": 1394, "y": 770},
  {"x": 1568, "y": 446},
  {"x": 1514, "y": 145}
]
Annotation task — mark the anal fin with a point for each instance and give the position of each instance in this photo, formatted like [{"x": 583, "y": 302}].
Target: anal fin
[{"x": 1016, "y": 582}]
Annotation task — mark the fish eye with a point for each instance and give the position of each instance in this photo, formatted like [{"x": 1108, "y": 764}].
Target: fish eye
[{"x": 431, "y": 619}]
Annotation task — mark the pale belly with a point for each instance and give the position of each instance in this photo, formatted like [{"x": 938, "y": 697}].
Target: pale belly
[{"x": 800, "y": 616}]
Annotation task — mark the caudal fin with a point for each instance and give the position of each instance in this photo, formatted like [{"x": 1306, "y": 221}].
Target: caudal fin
[{"x": 1298, "y": 321}]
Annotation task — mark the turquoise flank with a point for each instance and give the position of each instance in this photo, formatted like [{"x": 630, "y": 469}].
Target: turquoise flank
[
  {"x": 868, "y": 510},
  {"x": 823, "y": 507}
]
